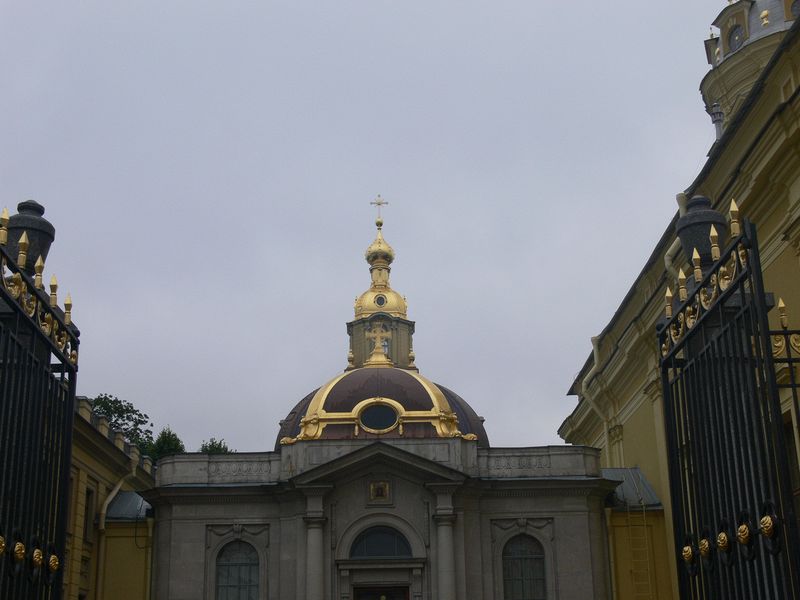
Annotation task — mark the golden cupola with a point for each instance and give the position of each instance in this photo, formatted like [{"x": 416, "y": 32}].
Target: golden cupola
[
  {"x": 381, "y": 394},
  {"x": 380, "y": 297}
]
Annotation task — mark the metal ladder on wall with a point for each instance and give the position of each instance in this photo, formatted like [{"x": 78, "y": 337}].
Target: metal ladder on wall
[{"x": 641, "y": 577}]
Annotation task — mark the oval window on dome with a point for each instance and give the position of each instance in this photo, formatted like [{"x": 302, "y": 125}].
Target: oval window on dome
[
  {"x": 380, "y": 300},
  {"x": 378, "y": 418}
]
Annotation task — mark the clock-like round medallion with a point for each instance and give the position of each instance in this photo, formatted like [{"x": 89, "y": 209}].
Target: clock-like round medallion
[
  {"x": 380, "y": 300},
  {"x": 736, "y": 38},
  {"x": 796, "y": 8}
]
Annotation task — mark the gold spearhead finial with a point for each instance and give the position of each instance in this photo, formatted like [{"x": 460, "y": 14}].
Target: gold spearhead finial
[
  {"x": 23, "y": 250},
  {"x": 733, "y": 212},
  {"x": 68, "y": 309},
  {"x": 4, "y": 227},
  {"x": 53, "y": 292},
  {"x": 38, "y": 267},
  {"x": 682, "y": 295},
  {"x": 668, "y": 302},
  {"x": 782, "y": 313},
  {"x": 714, "y": 237},
  {"x": 698, "y": 272}
]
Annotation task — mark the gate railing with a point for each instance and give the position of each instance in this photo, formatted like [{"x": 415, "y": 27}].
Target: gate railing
[
  {"x": 38, "y": 365},
  {"x": 733, "y": 514}
]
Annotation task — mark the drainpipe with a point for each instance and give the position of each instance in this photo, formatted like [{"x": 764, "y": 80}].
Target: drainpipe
[
  {"x": 101, "y": 530},
  {"x": 149, "y": 557},
  {"x": 673, "y": 250}
]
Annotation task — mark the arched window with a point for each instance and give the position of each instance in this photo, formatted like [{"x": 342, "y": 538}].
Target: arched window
[
  {"x": 237, "y": 572},
  {"x": 523, "y": 569},
  {"x": 380, "y": 542}
]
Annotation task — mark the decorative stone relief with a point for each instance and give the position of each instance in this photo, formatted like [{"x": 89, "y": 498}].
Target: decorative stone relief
[
  {"x": 225, "y": 471},
  {"x": 236, "y": 531},
  {"x": 523, "y": 525},
  {"x": 615, "y": 434},
  {"x": 516, "y": 465}
]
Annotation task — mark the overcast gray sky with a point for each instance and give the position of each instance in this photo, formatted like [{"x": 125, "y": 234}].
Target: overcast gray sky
[{"x": 209, "y": 166}]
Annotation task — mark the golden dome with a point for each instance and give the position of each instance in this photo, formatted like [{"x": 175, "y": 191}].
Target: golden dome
[
  {"x": 372, "y": 402},
  {"x": 380, "y": 297},
  {"x": 381, "y": 301},
  {"x": 379, "y": 250}
]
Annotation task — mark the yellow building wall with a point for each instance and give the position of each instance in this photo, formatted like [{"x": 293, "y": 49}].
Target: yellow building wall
[
  {"x": 632, "y": 551},
  {"x": 100, "y": 460},
  {"x": 127, "y": 563},
  {"x": 638, "y": 434}
]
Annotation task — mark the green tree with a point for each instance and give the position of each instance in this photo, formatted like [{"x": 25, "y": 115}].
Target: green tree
[
  {"x": 215, "y": 446},
  {"x": 165, "y": 444},
  {"x": 124, "y": 416}
]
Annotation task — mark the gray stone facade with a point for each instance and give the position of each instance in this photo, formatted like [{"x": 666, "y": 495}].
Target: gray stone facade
[{"x": 303, "y": 507}]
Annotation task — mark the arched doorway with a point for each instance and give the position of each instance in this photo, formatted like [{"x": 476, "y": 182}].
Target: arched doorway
[{"x": 380, "y": 563}]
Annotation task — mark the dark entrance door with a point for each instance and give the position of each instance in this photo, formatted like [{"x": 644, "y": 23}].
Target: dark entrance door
[{"x": 381, "y": 593}]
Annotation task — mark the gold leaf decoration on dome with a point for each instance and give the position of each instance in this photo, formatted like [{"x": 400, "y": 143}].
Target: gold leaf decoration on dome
[{"x": 319, "y": 416}]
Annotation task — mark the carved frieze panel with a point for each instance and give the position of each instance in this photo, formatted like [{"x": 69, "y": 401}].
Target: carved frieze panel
[
  {"x": 241, "y": 470},
  {"x": 518, "y": 465},
  {"x": 541, "y": 528},
  {"x": 252, "y": 532}
]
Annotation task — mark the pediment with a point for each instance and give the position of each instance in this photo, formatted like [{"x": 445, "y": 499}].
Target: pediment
[{"x": 379, "y": 454}]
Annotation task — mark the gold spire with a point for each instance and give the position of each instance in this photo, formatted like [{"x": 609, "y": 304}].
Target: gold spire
[
  {"x": 379, "y": 251},
  {"x": 380, "y": 297}
]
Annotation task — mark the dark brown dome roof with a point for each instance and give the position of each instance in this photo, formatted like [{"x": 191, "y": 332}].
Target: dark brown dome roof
[{"x": 424, "y": 409}]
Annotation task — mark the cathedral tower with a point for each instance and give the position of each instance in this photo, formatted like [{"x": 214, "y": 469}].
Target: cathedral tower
[{"x": 749, "y": 32}]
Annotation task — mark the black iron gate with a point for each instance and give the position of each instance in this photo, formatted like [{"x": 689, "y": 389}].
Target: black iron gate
[
  {"x": 38, "y": 363},
  {"x": 735, "y": 525}
]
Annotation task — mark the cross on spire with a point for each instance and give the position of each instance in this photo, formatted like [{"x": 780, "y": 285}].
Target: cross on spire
[
  {"x": 379, "y": 336},
  {"x": 379, "y": 202}
]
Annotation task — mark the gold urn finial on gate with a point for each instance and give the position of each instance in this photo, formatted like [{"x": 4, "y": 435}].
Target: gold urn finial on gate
[
  {"x": 68, "y": 309},
  {"x": 38, "y": 267},
  {"x": 4, "y": 217},
  {"x": 782, "y": 313},
  {"x": 733, "y": 212},
  {"x": 698, "y": 272},
  {"x": 682, "y": 294},
  {"x": 668, "y": 302},
  {"x": 22, "y": 258},
  {"x": 714, "y": 237},
  {"x": 53, "y": 292}
]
